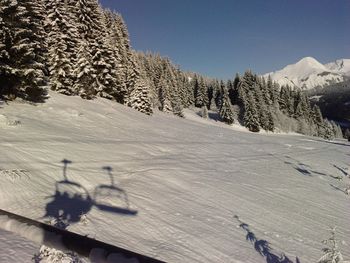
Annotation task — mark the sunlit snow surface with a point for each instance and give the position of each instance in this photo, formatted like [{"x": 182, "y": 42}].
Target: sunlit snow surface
[{"x": 175, "y": 189}]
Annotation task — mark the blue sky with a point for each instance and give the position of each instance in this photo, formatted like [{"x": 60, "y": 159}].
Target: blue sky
[{"x": 218, "y": 38}]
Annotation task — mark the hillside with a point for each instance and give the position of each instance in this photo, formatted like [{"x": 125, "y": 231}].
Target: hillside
[
  {"x": 171, "y": 188},
  {"x": 308, "y": 73},
  {"x": 334, "y": 101}
]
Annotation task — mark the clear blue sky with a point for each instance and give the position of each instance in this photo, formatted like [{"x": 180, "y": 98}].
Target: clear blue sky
[{"x": 218, "y": 38}]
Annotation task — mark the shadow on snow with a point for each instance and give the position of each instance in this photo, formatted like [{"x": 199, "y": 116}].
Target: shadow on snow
[
  {"x": 71, "y": 201},
  {"x": 263, "y": 247}
]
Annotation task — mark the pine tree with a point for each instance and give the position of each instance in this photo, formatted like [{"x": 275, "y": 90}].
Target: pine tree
[
  {"x": 220, "y": 93},
  {"x": 336, "y": 130},
  {"x": 92, "y": 26},
  {"x": 273, "y": 90},
  {"x": 22, "y": 48},
  {"x": 347, "y": 134},
  {"x": 140, "y": 99},
  {"x": 328, "y": 130},
  {"x": 318, "y": 120},
  {"x": 201, "y": 96},
  {"x": 165, "y": 103},
  {"x": 331, "y": 251},
  {"x": 251, "y": 118},
  {"x": 63, "y": 43},
  {"x": 271, "y": 123},
  {"x": 226, "y": 112},
  {"x": 127, "y": 60},
  {"x": 204, "y": 112},
  {"x": 233, "y": 91},
  {"x": 261, "y": 106},
  {"x": 178, "y": 109},
  {"x": 210, "y": 93},
  {"x": 83, "y": 73}
]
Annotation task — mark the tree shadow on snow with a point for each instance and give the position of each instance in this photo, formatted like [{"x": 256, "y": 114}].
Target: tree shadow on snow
[
  {"x": 332, "y": 142},
  {"x": 211, "y": 115},
  {"x": 342, "y": 170},
  {"x": 302, "y": 168},
  {"x": 71, "y": 201},
  {"x": 338, "y": 189},
  {"x": 306, "y": 170},
  {"x": 263, "y": 247}
]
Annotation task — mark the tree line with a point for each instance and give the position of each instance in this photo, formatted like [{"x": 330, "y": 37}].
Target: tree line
[{"x": 75, "y": 47}]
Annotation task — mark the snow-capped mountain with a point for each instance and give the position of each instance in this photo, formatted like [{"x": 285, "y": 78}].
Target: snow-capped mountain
[
  {"x": 340, "y": 65},
  {"x": 308, "y": 73}
]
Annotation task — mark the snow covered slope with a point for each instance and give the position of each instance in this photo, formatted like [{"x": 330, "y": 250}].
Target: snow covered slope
[
  {"x": 170, "y": 188},
  {"x": 341, "y": 65},
  {"x": 308, "y": 73}
]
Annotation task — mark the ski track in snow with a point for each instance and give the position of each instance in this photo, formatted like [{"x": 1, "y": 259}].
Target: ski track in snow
[{"x": 186, "y": 178}]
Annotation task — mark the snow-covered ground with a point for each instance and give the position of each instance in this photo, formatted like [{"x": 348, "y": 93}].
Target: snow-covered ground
[{"x": 171, "y": 188}]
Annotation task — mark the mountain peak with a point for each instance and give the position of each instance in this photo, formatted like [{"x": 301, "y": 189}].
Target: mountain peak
[
  {"x": 309, "y": 61},
  {"x": 309, "y": 73}
]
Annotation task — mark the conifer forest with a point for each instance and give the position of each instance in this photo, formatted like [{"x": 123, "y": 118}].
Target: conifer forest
[{"x": 77, "y": 48}]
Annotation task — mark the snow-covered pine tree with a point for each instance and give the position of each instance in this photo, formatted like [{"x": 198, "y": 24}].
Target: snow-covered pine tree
[
  {"x": 226, "y": 112},
  {"x": 204, "y": 112},
  {"x": 185, "y": 90},
  {"x": 273, "y": 90},
  {"x": 251, "y": 117},
  {"x": 318, "y": 120},
  {"x": 286, "y": 101},
  {"x": 22, "y": 50},
  {"x": 265, "y": 92},
  {"x": 218, "y": 93},
  {"x": 331, "y": 251},
  {"x": 92, "y": 28},
  {"x": 244, "y": 87},
  {"x": 165, "y": 103},
  {"x": 328, "y": 130},
  {"x": 178, "y": 109},
  {"x": 210, "y": 94},
  {"x": 83, "y": 72},
  {"x": 63, "y": 38},
  {"x": 128, "y": 61},
  {"x": 140, "y": 99},
  {"x": 347, "y": 134},
  {"x": 271, "y": 121},
  {"x": 336, "y": 130},
  {"x": 301, "y": 106},
  {"x": 115, "y": 42},
  {"x": 201, "y": 96},
  {"x": 261, "y": 106}
]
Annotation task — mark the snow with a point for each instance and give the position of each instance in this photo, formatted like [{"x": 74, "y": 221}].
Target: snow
[
  {"x": 13, "y": 247},
  {"x": 308, "y": 73},
  {"x": 340, "y": 65},
  {"x": 168, "y": 187}
]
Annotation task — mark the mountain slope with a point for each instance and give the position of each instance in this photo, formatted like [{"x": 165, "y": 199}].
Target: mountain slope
[
  {"x": 341, "y": 65},
  {"x": 193, "y": 185},
  {"x": 308, "y": 73}
]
